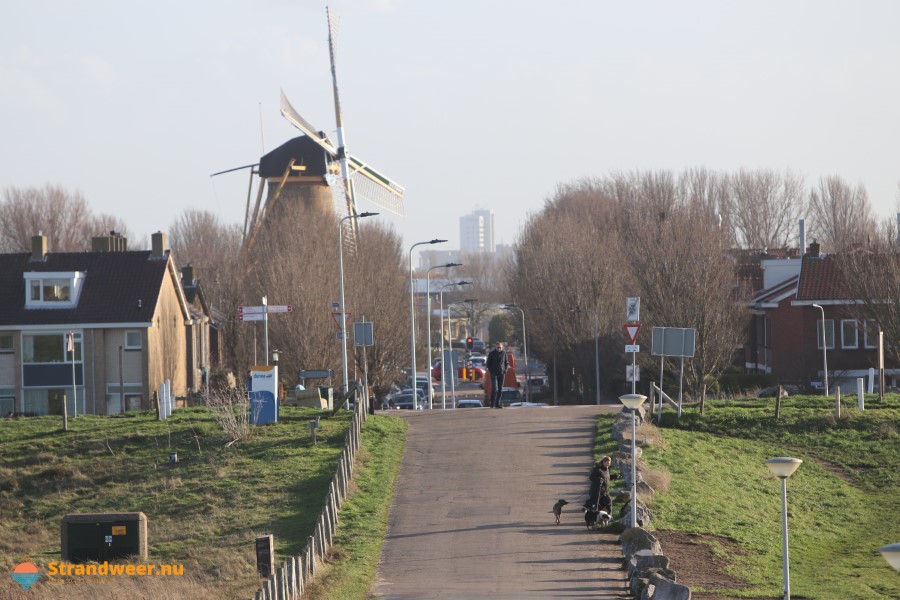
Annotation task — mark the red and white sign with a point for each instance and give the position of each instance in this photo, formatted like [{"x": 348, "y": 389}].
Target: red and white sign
[
  {"x": 337, "y": 319},
  {"x": 631, "y": 332}
]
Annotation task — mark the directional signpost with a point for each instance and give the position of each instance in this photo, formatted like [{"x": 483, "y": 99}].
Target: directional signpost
[
  {"x": 261, "y": 313},
  {"x": 632, "y": 314}
]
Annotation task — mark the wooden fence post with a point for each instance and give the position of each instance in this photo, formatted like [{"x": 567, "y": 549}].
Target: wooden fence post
[{"x": 778, "y": 402}]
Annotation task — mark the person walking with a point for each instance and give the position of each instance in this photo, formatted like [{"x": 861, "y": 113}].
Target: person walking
[{"x": 497, "y": 364}]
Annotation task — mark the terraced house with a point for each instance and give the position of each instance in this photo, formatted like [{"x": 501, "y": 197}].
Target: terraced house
[{"x": 101, "y": 329}]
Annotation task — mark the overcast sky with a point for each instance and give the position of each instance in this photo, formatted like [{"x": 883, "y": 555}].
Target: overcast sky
[{"x": 467, "y": 104}]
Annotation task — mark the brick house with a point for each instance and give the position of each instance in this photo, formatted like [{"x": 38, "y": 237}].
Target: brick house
[
  {"x": 130, "y": 323},
  {"x": 786, "y": 329}
]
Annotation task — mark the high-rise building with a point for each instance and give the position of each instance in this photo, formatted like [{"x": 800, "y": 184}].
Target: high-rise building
[{"x": 476, "y": 232}]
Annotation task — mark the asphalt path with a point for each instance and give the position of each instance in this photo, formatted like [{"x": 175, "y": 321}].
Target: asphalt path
[{"x": 472, "y": 515}]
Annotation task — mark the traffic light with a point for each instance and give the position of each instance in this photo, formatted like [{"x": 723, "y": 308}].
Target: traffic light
[{"x": 469, "y": 343}]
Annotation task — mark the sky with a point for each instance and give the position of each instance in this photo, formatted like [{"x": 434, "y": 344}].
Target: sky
[{"x": 467, "y": 104}]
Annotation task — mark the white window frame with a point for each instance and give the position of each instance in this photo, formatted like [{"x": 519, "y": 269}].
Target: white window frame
[
  {"x": 870, "y": 325},
  {"x": 829, "y": 329},
  {"x": 130, "y": 346},
  {"x": 39, "y": 280},
  {"x": 849, "y": 344}
]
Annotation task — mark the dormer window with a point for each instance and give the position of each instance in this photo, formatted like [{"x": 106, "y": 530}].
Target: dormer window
[{"x": 52, "y": 290}]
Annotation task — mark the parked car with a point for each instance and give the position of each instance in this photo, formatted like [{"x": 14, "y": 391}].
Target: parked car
[
  {"x": 528, "y": 404},
  {"x": 478, "y": 345},
  {"x": 537, "y": 385},
  {"x": 469, "y": 403},
  {"x": 509, "y": 395},
  {"x": 406, "y": 401},
  {"x": 479, "y": 360}
]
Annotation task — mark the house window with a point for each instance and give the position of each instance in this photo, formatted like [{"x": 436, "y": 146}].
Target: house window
[
  {"x": 7, "y": 400},
  {"x": 829, "y": 333},
  {"x": 52, "y": 290},
  {"x": 6, "y": 342},
  {"x": 48, "y": 348},
  {"x": 134, "y": 397},
  {"x": 133, "y": 340},
  {"x": 870, "y": 333},
  {"x": 49, "y": 401},
  {"x": 849, "y": 334}
]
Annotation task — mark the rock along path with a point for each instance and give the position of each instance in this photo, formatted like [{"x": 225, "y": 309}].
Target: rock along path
[{"x": 472, "y": 516}]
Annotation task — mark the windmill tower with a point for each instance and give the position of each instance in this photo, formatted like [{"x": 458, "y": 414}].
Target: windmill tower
[{"x": 315, "y": 172}]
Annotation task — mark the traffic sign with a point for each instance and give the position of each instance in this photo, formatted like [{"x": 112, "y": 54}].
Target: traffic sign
[
  {"x": 281, "y": 308},
  {"x": 253, "y": 310},
  {"x": 252, "y": 317},
  {"x": 631, "y": 331},
  {"x": 337, "y": 319},
  {"x": 632, "y": 348}
]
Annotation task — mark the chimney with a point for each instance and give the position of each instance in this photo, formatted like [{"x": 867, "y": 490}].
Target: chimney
[
  {"x": 802, "y": 234},
  {"x": 39, "y": 246},
  {"x": 814, "y": 249},
  {"x": 160, "y": 245},
  {"x": 114, "y": 242},
  {"x": 187, "y": 275}
]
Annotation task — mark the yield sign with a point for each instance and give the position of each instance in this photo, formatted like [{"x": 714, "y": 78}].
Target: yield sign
[
  {"x": 631, "y": 332},
  {"x": 337, "y": 319}
]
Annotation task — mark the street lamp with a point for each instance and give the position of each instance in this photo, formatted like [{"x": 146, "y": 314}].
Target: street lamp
[
  {"x": 443, "y": 358},
  {"x": 783, "y": 467},
  {"x": 343, "y": 317},
  {"x": 576, "y": 311},
  {"x": 428, "y": 311},
  {"x": 524, "y": 346},
  {"x": 633, "y": 402},
  {"x": 891, "y": 553},
  {"x": 412, "y": 315},
  {"x": 824, "y": 348}
]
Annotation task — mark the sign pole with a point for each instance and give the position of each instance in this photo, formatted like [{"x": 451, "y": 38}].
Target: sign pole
[
  {"x": 633, "y": 372},
  {"x": 265, "y": 303},
  {"x": 70, "y": 342}
]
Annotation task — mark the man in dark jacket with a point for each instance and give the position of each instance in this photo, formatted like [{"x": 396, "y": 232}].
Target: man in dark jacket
[{"x": 497, "y": 363}]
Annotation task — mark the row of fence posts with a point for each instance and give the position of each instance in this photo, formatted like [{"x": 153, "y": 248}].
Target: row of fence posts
[{"x": 294, "y": 573}]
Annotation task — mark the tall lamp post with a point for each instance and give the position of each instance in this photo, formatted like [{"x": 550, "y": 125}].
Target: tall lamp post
[
  {"x": 443, "y": 361},
  {"x": 428, "y": 311},
  {"x": 824, "y": 348},
  {"x": 412, "y": 316},
  {"x": 343, "y": 318},
  {"x": 524, "y": 346},
  {"x": 633, "y": 402},
  {"x": 578, "y": 311},
  {"x": 783, "y": 467}
]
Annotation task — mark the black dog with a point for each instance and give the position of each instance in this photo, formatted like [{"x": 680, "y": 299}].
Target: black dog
[{"x": 590, "y": 516}]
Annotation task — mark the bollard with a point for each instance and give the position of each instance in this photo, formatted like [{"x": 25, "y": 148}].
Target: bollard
[
  {"x": 312, "y": 431},
  {"x": 837, "y": 402},
  {"x": 860, "y": 385}
]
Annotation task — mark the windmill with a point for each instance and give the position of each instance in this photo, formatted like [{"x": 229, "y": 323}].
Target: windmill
[
  {"x": 313, "y": 170},
  {"x": 360, "y": 180}
]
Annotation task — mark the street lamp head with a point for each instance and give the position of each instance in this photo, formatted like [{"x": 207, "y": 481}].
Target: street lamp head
[
  {"x": 436, "y": 241},
  {"x": 448, "y": 265},
  {"x": 632, "y": 401},
  {"x": 367, "y": 214},
  {"x": 817, "y": 306},
  {"x": 275, "y": 354},
  {"x": 783, "y": 466},
  {"x": 891, "y": 553},
  {"x": 463, "y": 283}
]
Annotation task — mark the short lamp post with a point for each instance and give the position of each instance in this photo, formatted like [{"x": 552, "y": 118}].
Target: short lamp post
[
  {"x": 824, "y": 348},
  {"x": 412, "y": 317},
  {"x": 891, "y": 554},
  {"x": 783, "y": 467},
  {"x": 524, "y": 347},
  {"x": 633, "y": 402},
  {"x": 428, "y": 312},
  {"x": 444, "y": 370}
]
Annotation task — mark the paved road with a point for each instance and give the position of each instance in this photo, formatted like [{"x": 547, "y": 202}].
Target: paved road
[{"x": 472, "y": 514}]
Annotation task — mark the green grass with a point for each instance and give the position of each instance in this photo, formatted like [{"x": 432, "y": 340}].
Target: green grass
[
  {"x": 843, "y": 502},
  {"x": 204, "y": 512}
]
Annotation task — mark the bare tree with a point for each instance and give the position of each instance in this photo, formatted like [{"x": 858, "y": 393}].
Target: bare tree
[
  {"x": 63, "y": 216},
  {"x": 763, "y": 207},
  {"x": 842, "y": 215}
]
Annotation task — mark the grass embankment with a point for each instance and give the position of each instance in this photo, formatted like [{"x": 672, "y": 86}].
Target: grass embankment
[
  {"x": 843, "y": 502},
  {"x": 203, "y": 512}
]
